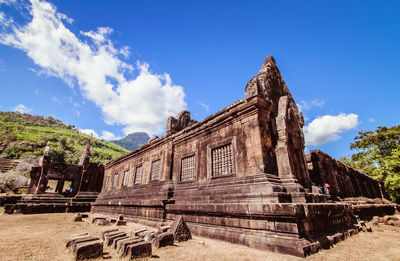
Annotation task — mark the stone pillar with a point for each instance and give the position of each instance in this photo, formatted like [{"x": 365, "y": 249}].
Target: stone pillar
[
  {"x": 43, "y": 180},
  {"x": 60, "y": 186}
]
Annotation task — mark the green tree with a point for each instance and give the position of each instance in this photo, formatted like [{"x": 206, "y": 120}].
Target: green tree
[{"x": 378, "y": 155}]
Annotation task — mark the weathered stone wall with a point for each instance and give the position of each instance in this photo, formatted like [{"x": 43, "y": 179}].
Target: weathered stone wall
[
  {"x": 159, "y": 149},
  {"x": 344, "y": 181}
]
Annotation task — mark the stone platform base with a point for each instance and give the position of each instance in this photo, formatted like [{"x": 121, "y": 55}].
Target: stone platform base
[
  {"x": 52, "y": 203},
  {"x": 38, "y": 208},
  {"x": 257, "y": 211},
  {"x": 9, "y": 200}
]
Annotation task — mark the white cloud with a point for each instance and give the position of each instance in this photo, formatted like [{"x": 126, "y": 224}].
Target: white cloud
[
  {"x": 55, "y": 99},
  {"x": 105, "y": 135},
  {"x": 205, "y": 106},
  {"x": 328, "y": 127},
  {"x": 371, "y": 119},
  {"x": 21, "y": 108},
  {"x": 8, "y": 2},
  {"x": 307, "y": 105},
  {"x": 75, "y": 104},
  {"x": 141, "y": 103},
  {"x": 89, "y": 132}
]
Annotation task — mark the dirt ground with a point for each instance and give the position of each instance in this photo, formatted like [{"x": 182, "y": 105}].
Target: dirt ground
[{"x": 43, "y": 237}]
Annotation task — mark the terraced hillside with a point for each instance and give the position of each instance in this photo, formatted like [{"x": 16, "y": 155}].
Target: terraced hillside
[{"x": 24, "y": 134}]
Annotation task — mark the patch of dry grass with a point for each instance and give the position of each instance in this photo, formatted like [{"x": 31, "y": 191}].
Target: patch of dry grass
[{"x": 43, "y": 237}]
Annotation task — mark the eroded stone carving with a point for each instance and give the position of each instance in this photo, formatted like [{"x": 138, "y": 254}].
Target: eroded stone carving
[
  {"x": 268, "y": 83},
  {"x": 181, "y": 121}
]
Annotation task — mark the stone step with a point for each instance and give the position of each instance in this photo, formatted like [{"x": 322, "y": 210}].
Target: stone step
[{"x": 8, "y": 164}]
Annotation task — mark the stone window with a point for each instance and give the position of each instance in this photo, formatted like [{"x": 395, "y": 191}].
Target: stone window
[
  {"x": 106, "y": 182},
  {"x": 155, "y": 170},
  {"x": 125, "y": 178},
  {"x": 188, "y": 169},
  {"x": 115, "y": 181},
  {"x": 222, "y": 160},
  {"x": 138, "y": 175}
]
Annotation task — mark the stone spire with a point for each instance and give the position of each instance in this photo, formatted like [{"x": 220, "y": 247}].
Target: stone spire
[
  {"x": 45, "y": 158},
  {"x": 268, "y": 83},
  {"x": 85, "y": 154}
]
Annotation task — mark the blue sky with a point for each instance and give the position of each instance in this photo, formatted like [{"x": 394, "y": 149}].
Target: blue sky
[{"x": 114, "y": 67}]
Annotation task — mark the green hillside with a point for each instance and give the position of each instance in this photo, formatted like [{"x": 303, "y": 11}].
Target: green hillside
[
  {"x": 24, "y": 134},
  {"x": 133, "y": 141}
]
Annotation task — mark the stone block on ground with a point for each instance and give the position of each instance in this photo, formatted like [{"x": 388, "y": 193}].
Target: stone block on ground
[
  {"x": 180, "y": 230},
  {"x": 78, "y": 218},
  {"x": 101, "y": 221},
  {"x": 108, "y": 231},
  {"x": 121, "y": 223},
  {"x": 149, "y": 235},
  {"x": 78, "y": 235},
  {"x": 109, "y": 238},
  {"x": 114, "y": 245},
  {"x": 164, "y": 239},
  {"x": 139, "y": 250},
  {"x": 122, "y": 246},
  {"x": 72, "y": 243},
  {"x": 163, "y": 229},
  {"x": 73, "y": 238},
  {"x": 89, "y": 249},
  {"x": 138, "y": 231}
]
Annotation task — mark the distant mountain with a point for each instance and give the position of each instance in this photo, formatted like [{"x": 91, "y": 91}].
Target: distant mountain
[
  {"x": 133, "y": 140},
  {"x": 22, "y": 135}
]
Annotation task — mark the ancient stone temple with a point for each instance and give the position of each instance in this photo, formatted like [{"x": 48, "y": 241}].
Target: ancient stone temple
[
  {"x": 239, "y": 175},
  {"x": 84, "y": 184}
]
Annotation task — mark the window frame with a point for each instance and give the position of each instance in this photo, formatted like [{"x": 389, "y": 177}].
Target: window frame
[
  {"x": 184, "y": 156},
  {"x": 135, "y": 174},
  {"x": 125, "y": 177},
  {"x": 151, "y": 170},
  {"x": 221, "y": 143},
  {"x": 115, "y": 181}
]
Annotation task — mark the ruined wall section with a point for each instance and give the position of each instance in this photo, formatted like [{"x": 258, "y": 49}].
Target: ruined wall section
[
  {"x": 137, "y": 185},
  {"x": 236, "y": 128},
  {"x": 344, "y": 181},
  {"x": 155, "y": 155}
]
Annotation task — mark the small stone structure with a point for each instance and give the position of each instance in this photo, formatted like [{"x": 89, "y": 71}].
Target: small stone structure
[
  {"x": 86, "y": 181},
  {"x": 240, "y": 175}
]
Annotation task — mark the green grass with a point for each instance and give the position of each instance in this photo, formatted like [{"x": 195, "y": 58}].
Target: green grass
[{"x": 26, "y": 134}]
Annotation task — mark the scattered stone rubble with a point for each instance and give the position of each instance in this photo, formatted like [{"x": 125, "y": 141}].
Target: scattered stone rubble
[
  {"x": 136, "y": 244},
  {"x": 387, "y": 220}
]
